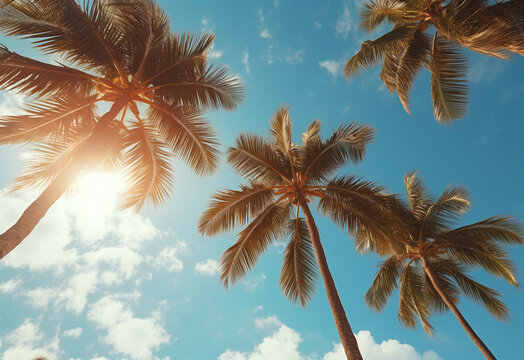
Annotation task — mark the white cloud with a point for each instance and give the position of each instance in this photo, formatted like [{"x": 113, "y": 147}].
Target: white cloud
[
  {"x": 245, "y": 61},
  {"x": 260, "y": 13},
  {"x": 208, "y": 267},
  {"x": 267, "y": 322},
  {"x": 9, "y": 286},
  {"x": 12, "y": 103},
  {"x": 390, "y": 349},
  {"x": 72, "y": 333},
  {"x": 283, "y": 344},
  {"x": 40, "y": 297},
  {"x": 207, "y": 24},
  {"x": 134, "y": 337},
  {"x": 344, "y": 22},
  {"x": 264, "y": 34},
  {"x": 318, "y": 25},
  {"x": 332, "y": 66},
  {"x": 294, "y": 57},
  {"x": 252, "y": 284},
  {"x": 27, "y": 342},
  {"x": 214, "y": 54},
  {"x": 169, "y": 257}
]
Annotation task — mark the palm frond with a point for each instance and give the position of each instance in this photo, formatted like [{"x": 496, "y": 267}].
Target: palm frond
[
  {"x": 144, "y": 26},
  {"x": 372, "y": 52},
  {"x": 281, "y": 129},
  {"x": 214, "y": 88},
  {"x": 453, "y": 203},
  {"x": 187, "y": 135},
  {"x": 375, "y": 12},
  {"x": 298, "y": 275},
  {"x": 347, "y": 144},
  {"x": 419, "y": 201},
  {"x": 388, "y": 74},
  {"x": 48, "y": 120},
  {"x": 269, "y": 225},
  {"x": 484, "y": 295},
  {"x": 49, "y": 159},
  {"x": 384, "y": 283},
  {"x": 33, "y": 77},
  {"x": 254, "y": 158},
  {"x": 146, "y": 167},
  {"x": 412, "y": 59},
  {"x": 448, "y": 85},
  {"x": 311, "y": 133},
  {"x": 66, "y": 28},
  {"x": 412, "y": 302},
  {"x": 361, "y": 208},
  {"x": 230, "y": 208}
]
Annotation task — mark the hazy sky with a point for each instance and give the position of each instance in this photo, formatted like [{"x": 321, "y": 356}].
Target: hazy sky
[{"x": 94, "y": 283}]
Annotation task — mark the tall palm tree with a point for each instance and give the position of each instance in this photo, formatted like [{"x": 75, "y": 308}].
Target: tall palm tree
[
  {"x": 480, "y": 25},
  {"x": 153, "y": 86},
  {"x": 430, "y": 269},
  {"x": 283, "y": 178}
]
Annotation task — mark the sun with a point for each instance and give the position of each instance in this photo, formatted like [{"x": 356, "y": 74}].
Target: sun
[{"x": 97, "y": 193}]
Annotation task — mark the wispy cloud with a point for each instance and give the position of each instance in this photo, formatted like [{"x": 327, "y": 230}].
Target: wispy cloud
[
  {"x": 344, "y": 22},
  {"x": 293, "y": 57},
  {"x": 207, "y": 24},
  {"x": 264, "y": 34},
  {"x": 318, "y": 25},
  {"x": 332, "y": 66},
  {"x": 208, "y": 267},
  {"x": 245, "y": 61}
]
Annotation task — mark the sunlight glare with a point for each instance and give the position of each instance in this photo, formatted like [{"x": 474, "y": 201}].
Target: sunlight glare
[{"x": 97, "y": 193}]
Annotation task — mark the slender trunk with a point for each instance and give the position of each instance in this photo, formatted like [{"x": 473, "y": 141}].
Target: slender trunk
[
  {"x": 347, "y": 338},
  {"x": 476, "y": 339},
  {"x": 90, "y": 151}
]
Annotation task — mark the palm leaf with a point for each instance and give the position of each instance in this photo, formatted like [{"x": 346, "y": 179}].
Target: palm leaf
[
  {"x": 146, "y": 167},
  {"x": 484, "y": 295},
  {"x": 412, "y": 303},
  {"x": 411, "y": 61},
  {"x": 269, "y": 225},
  {"x": 384, "y": 283},
  {"x": 372, "y": 52},
  {"x": 254, "y": 158},
  {"x": 214, "y": 88},
  {"x": 375, "y": 12},
  {"x": 186, "y": 134},
  {"x": 48, "y": 120},
  {"x": 230, "y": 208},
  {"x": 347, "y": 144},
  {"x": 298, "y": 275},
  {"x": 388, "y": 74},
  {"x": 281, "y": 130},
  {"x": 448, "y": 86},
  {"x": 37, "y": 78},
  {"x": 419, "y": 201}
]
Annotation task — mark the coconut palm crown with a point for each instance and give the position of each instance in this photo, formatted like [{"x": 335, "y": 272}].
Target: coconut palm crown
[
  {"x": 489, "y": 28},
  {"x": 131, "y": 95},
  {"x": 431, "y": 270},
  {"x": 283, "y": 178}
]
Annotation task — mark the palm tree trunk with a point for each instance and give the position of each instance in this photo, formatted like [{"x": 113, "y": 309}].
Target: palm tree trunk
[
  {"x": 347, "y": 338},
  {"x": 90, "y": 151},
  {"x": 476, "y": 339}
]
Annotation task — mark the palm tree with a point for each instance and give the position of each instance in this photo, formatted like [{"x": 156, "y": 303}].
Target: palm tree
[
  {"x": 431, "y": 267},
  {"x": 492, "y": 29},
  {"x": 153, "y": 86},
  {"x": 283, "y": 178}
]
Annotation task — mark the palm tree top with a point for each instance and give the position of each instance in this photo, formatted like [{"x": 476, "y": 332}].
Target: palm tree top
[
  {"x": 122, "y": 53},
  {"x": 449, "y": 251},
  {"x": 280, "y": 175},
  {"x": 489, "y": 28}
]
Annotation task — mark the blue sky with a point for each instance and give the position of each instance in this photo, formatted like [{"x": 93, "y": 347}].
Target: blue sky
[{"x": 93, "y": 283}]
